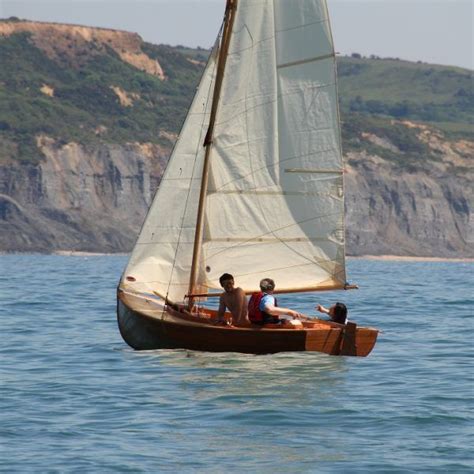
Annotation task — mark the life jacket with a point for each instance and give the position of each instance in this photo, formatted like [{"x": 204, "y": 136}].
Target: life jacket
[{"x": 256, "y": 315}]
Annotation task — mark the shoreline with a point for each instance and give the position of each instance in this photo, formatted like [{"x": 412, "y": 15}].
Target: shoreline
[
  {"x": 405, "y": 258},
  {"x": 73, "y": 253},
  {"x": 386, "y": 258}
]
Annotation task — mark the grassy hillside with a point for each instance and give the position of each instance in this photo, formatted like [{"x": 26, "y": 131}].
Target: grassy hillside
[
  {"x": 84, "y": 107},
  {"x": 74, "y": 96},
  {"x": 440, "y": 95}
]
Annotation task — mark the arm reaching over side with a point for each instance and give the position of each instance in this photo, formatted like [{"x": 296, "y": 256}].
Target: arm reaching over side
[
  {"x": 337, "y": 312},
  {"x": 322, "y": 309},
  {"x": 277, "y": 311}
]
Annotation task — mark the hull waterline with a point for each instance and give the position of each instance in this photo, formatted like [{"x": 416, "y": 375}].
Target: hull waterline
[{"x": 146, "y": 325}]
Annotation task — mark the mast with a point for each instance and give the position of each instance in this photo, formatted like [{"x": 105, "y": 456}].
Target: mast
[{"x": 229, "y": 17}]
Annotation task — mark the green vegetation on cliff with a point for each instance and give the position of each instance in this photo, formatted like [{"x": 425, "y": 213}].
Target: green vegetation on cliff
[
  {"x": 83, "y": 107},
  {"x": 80, "y": 100},
  {"x": 441, "y": 95}
]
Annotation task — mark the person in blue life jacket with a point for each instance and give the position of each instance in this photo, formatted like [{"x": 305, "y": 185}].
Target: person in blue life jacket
[
  {"x": 264, "y": 309},
  {"x": 337, "y": 312}
]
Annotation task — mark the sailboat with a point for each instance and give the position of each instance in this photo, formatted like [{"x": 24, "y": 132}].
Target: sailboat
[{"x": 253, "y": 187}]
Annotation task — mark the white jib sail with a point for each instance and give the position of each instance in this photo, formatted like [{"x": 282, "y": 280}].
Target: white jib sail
[
  {"x": 275, "y": 205},
  {"x": 161, "y": 259}
]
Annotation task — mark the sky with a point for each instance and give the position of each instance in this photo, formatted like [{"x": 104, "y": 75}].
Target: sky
[{"x": 434, "y": 31}]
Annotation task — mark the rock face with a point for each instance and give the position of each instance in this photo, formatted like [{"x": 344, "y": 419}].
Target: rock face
[
  {"x": 95, "y": 200},
  {"x": 78, "y": 199},
  {"x": 71, "y": 44},
  {"x": 418, "y": 214},
  {"x": 426, "y": 212}
]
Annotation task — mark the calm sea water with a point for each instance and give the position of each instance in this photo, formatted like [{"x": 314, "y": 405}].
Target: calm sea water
[{"x": 75, "y": 398}]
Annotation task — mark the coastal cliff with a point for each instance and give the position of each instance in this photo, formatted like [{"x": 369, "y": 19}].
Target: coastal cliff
[
  {"x": 95, "y": 200},
  {"x": 85, "y": 137},
  {"x": 412, "y": 213},
  {"x": 78, "y": 198}
]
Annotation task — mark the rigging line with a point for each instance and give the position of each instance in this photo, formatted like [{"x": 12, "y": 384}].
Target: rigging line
[
  {"x": 198, "y": 145},
  {"x": 273, "y": 37},
  {"x": 272, "y": 232},
  {"x": 313, "y": 100},
  {"x": 253, "y": 43},
  {"x": 325, "y": 20}
]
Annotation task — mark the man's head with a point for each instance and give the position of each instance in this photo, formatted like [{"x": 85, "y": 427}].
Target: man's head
[
  {"x": 338, "y": 313},
  {"x": 227, "y": 282},
  {"x": 267, "y": 284}
]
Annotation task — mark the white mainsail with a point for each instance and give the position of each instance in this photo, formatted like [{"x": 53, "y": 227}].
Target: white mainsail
[{"x": 274, "y": 205}]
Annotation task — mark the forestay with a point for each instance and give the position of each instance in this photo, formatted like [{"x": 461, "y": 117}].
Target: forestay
[{"x": 274, "y": 206}]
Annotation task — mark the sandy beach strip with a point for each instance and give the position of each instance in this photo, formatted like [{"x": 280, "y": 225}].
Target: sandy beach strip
[
  {"x": 73, "y": 253},
  {"x": 387, "y": 258},
  {"x": 402, "y": 258}
]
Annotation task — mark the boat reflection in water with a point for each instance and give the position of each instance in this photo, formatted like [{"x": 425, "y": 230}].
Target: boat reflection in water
[{"x": 236, "y": 378}]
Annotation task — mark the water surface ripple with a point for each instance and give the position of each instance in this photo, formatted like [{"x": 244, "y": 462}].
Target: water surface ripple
[{"x": 75, "y": 398}]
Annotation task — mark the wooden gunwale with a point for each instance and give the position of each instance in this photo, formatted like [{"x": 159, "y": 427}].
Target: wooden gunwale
[{"x": 146, "y": 324}]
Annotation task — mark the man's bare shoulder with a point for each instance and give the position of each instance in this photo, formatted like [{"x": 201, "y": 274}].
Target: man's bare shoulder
[
  {"x": 239, "y": 292},
  {"x": 236, "y": 295}
]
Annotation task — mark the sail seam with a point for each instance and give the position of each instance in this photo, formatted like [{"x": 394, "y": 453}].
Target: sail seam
[
  {"x": 253, "y": 192},
  {"x": 291, "y": 28},
  {"x": 316, "y": 171},
  {"x": 270, "y": 240},
  {"x": 305, "y": 61}
]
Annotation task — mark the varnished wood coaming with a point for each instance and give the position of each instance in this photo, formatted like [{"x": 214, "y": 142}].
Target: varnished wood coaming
[{"x": 145, "y": 323}]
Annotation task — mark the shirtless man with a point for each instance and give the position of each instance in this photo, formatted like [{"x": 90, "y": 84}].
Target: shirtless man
[{"x": 234, "y": 300}]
